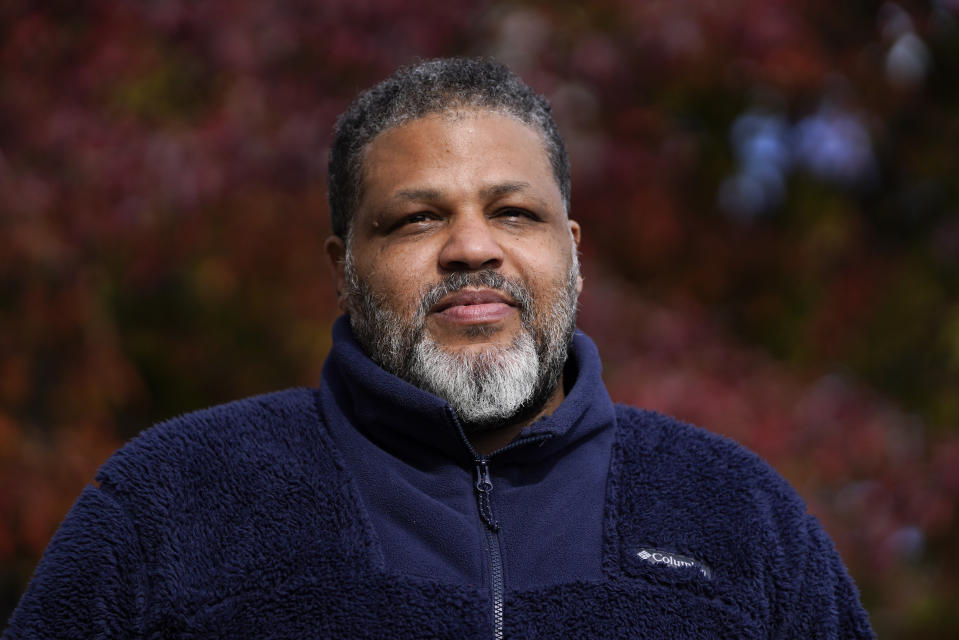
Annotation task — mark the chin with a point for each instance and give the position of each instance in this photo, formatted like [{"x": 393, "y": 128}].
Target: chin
[
  {"x": 474, "y": 338},
  {"x": 482, "y": 331}
]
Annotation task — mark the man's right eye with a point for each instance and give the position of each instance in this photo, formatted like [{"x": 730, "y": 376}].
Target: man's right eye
[{"x": 418, "y": 218}]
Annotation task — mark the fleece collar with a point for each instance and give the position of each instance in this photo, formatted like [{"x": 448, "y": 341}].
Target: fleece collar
[{"x": 416, "y": 424}]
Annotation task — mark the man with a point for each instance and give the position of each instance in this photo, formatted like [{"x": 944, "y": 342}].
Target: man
[{"x": 461, "y": 471}]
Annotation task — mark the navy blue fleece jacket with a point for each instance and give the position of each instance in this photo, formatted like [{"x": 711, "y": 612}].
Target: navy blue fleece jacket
[{"x": 359, "y": 510}]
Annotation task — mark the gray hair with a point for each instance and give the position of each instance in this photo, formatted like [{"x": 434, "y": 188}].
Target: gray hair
[{"x": 421, "y": 89}]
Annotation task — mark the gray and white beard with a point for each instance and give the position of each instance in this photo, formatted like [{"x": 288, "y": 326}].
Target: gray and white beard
[{"x": 494, "y": 387}]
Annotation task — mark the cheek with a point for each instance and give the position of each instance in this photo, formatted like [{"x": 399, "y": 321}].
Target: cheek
[
  {"x": 398, "y": 281},
  {"x": 548, "y": 267}
]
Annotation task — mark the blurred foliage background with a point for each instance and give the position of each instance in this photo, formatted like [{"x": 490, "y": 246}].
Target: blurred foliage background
[{"x": 767, "y": 190}]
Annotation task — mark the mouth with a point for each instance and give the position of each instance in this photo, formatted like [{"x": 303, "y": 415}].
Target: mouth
[{"x": 474, "y": 306}]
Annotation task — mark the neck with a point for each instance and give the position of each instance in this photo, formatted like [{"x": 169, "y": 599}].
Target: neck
[{"x": 488, "y": 441}]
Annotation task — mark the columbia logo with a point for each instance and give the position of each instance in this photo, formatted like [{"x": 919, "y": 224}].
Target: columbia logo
[{"x": 657, "y": 557}]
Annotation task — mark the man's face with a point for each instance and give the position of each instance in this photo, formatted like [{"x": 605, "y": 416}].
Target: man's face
[{"x": 462, "y": 256}]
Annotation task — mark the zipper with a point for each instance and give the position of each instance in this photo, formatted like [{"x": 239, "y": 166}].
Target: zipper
[
  {"x": 491, "y": 528},
  {"x": 484, "y": 487}
]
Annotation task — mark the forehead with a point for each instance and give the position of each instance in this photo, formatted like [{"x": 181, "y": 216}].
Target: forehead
[{"x": 457, "y": 145}]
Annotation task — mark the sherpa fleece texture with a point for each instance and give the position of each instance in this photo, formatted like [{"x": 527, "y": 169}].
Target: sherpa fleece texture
[{"x": 245, "y": 521}]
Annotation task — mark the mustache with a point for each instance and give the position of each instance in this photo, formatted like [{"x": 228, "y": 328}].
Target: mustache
[{"x": 485, "y": 279}]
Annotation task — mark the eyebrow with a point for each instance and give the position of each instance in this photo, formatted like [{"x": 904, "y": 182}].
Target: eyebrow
[
  {"x": 492, "y": 191},
  {"x": 411, "y": 195},
  {"x": 503, "y": 189}
]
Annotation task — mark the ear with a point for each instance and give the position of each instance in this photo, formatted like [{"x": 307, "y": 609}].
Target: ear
[
  {"x": 574, "y": 232},
  {"x": 336, "y": 259}
]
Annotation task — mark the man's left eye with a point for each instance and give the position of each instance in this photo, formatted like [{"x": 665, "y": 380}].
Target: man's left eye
[{"x": 514, "y": 213}]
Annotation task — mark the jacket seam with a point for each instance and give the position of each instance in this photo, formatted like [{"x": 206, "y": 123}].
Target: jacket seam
[{"x": 142, "y": 596}]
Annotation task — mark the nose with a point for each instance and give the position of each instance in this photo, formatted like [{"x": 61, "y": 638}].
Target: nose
[{"x": 471, "y": 244}]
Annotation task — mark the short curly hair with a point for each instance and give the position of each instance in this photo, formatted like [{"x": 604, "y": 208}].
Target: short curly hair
[{"x": 429, "y": 87}]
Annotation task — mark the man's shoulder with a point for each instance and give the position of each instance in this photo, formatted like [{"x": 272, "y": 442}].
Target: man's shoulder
[
  {"x": 678, "y": 489},
  {"x": 231, "y": 433},
  {"x": 719, "y": 499},
  {"x": 695, "y": 459}
]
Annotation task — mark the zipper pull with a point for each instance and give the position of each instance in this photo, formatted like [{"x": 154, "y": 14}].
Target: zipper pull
[{"x": 484, "y": 487}]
